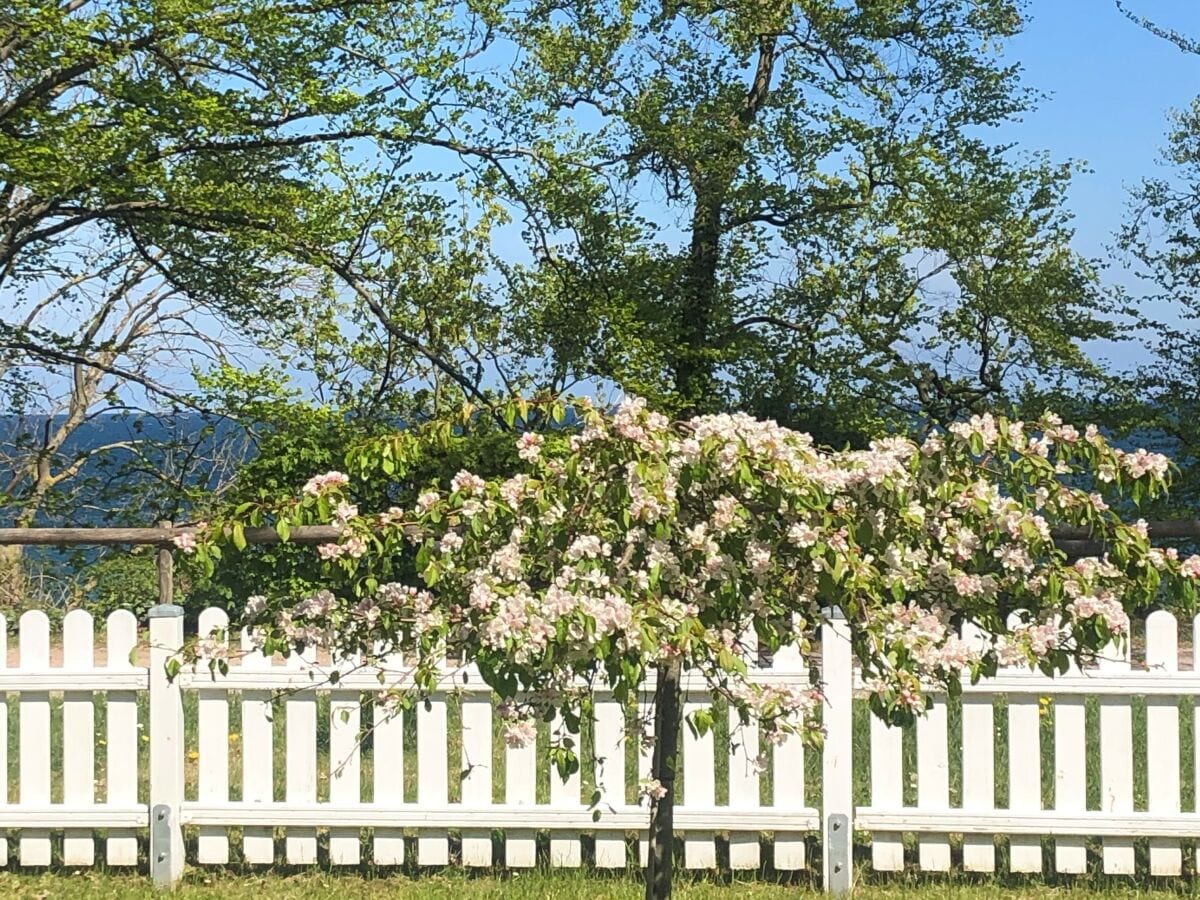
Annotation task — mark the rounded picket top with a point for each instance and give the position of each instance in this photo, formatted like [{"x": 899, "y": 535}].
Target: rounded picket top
[
  {"x": 78, "y": 639},
  {"x": 975, "y": 637},
  {"x": 214, "y": 619},
  {"x": 122, "y": 638},
  {"x": 1162, "y": 641},
  {"x": 34, "y": 627}
]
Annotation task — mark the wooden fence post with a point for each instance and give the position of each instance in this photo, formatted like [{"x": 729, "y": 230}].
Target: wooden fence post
[
  {"x": 837, "y": 758},
  {"x": 166, "y": 570},
  {"x": 166, "y": 748}
]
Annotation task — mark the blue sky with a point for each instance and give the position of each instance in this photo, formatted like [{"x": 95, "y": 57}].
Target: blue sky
[{"x": 1111, "y": 85}]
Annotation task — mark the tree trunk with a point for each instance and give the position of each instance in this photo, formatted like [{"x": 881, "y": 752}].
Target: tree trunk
[
  {"x": 668, "y": 708},
  {"x": 695, "y": 368}
]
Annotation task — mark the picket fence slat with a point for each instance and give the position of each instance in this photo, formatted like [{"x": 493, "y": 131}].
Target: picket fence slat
[
  {"x": 1070, "y": 776},
  {"x": 3, "y": 739},
  {"x": 387, "y": 742},
  {"x": 477, "y": 766},
  {"x": 887, "y": 791},
  {"x": 121, "y": 736},
  {"x": 933, "y": 782},
  {"x": 301, "y": 763},
  {"x": 258, "y": 756},
  {"x": 212, "y": 844},
  {"x": 743, "y": 790},
  {"x": 1116, "y": 762},
  {"x": 699, "y": 786},
  {"x": 520, "y": 789},
  {"x": 79, "y": 737},
  {"x": 433, "y": 786},
  {"x": 609, "y": 773},
  {"x": 1196, "y": 719},
  {"x": 565, "y": 847},
  {"x": 787, "y": 770},
  {"x": 345, "y": 770},
  {"x": 35, "y": 753},
  {"x": 1162, "y": 740},
  {"x": 978, "y": 766},
  {"x": 644, "y": 752}
]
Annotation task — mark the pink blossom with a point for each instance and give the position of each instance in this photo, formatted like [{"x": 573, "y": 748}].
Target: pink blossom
[
  {"x": 467, "y": 483},
  {"x": 320, "y": 484},
  {"x": 1142, "y": 462},
  {"x": 652, "y": 789},
  {"x": 255, "y": 605},
  {"x": 529, "y": 446},
  {"x": 521, "y": 733},
  {"x": 211, "y": 650},
  {"x": 802, "y": 534}
]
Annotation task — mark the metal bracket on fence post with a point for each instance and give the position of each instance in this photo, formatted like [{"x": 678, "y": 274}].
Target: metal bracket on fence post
[
  {"x": 160, "y": 840},
  {"x": 838, "y": 854}
]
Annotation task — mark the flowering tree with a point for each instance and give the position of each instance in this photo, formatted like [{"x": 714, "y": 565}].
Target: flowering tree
[{"x": 633, "y": 546}]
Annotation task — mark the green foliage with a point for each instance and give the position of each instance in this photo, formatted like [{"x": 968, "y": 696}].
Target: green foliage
[
  {"x": 294, "y": 440},
  {"x": 1160, "y": 242},
  {"x": 121, "y": 580},
  {"x": 786, "y": 209}
]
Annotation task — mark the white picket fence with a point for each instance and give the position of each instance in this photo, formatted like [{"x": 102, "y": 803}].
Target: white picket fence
[{"x": 77, "y": 788}]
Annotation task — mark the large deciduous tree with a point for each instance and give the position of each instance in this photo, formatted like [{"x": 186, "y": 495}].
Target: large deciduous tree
[{"x": 788, "y": 207}]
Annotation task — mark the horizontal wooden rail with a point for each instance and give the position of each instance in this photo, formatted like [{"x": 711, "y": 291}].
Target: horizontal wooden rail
[
  {"x": 1075, "y": 541},
  {"x": 49, "y": 537},
  {"x": 1091, "y": 823},
  {"x": 57, "y": 815},
  {"x": 415, "y": 815},
  {"x": 17, "y": 680}
]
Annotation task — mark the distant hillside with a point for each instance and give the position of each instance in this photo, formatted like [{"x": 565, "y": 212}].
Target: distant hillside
[{"x": 157, "y": 446}]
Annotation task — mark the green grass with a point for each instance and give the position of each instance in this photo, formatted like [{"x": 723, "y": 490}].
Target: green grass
[{"x": 523, "y": 886}]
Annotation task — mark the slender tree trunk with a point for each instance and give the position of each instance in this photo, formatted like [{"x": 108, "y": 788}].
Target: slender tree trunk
[
  {"x": 668, "y": 709},
  {"x": 712, "y": 179},
  {"x": 695, "y": 368}
]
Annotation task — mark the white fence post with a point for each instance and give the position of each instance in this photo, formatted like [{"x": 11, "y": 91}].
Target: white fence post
[
  {"x": 837, "y": 758},
  {"x": 166, "y": 748}
]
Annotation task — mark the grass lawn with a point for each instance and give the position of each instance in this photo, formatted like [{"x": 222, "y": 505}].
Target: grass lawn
[{"x": 527, "y": 886}]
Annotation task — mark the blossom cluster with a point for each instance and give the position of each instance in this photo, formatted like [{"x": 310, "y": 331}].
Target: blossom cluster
[{"x": 631, "y": 541}]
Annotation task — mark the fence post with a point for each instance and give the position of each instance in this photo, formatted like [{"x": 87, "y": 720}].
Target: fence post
[
  {"x": 166, "y": 748},
  {"x": 166, "y": 569},
  {"x": 837, "y": 758}
]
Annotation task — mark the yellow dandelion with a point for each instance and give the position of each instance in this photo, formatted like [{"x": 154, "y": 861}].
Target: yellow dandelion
[{"x": 192, "y": 754}]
